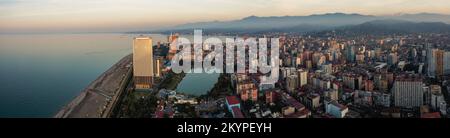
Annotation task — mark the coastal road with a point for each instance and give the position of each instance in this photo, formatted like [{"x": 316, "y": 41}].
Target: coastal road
[{"x": 99, "y": 98}]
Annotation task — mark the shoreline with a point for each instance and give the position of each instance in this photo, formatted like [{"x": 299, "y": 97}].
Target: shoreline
[{"x": 99, "y": 97}]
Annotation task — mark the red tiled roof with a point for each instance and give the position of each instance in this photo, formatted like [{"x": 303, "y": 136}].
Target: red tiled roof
[
  {"x": 431, "y": 115},
  {"x": 159, "y": 114},
  {"x": 237, "y": 112},
  {"x": 232, "y": 100},
  {"x": 171, "y": 114},
  {"x": 298, "y": 114},
  {"x": 297, "y": 105}
]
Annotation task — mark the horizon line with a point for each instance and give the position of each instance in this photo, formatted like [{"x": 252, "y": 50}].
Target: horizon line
[{"x": 215, "y": 20}]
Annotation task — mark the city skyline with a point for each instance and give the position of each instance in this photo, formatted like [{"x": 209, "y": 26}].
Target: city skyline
[
  {"x": 18, "y": 16},
  {"x": 225, "y": 67}
]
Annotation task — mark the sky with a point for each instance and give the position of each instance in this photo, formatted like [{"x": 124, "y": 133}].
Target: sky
[{"x": 134, "y": 15}]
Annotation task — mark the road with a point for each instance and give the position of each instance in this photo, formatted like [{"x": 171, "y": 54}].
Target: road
[{"x": 97, "y": 100}]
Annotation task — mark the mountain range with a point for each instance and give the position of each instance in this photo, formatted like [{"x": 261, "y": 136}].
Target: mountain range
[
  {"x": 395, "y": 26},
  {"x": 421, "y": 22}
]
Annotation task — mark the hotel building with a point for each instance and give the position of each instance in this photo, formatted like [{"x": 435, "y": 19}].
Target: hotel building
[{"x": 143, "y": 62}]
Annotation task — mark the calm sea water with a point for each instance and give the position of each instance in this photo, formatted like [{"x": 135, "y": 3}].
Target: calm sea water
[
  {"x": 41, "y": 73},
  {"x": 197, "y": 83}
]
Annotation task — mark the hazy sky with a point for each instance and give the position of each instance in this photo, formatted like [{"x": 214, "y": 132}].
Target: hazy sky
[{"x": 124, "y": 15}]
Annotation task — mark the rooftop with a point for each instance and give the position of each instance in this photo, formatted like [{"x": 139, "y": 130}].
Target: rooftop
[
  {"x": 231, "y": 100},
  {"x": 431, "y": 115},
  {"x": 342, "y": 107},
  {"x": 237, "y": 112},
  {"x": 301, "y": 113}
]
